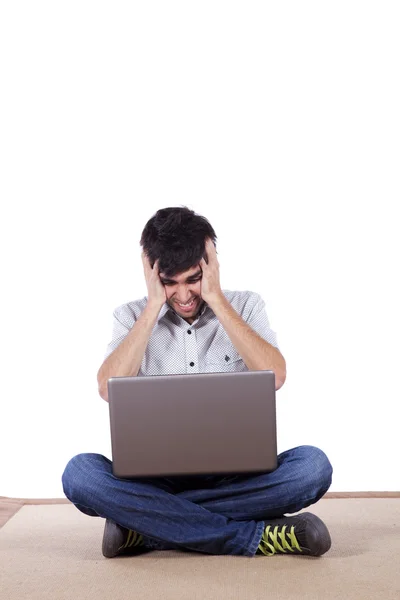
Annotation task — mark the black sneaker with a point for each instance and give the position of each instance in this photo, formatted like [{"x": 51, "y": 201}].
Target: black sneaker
[
  {"x": 302, "y": 534},
  {"x": 118, "y": 539}
]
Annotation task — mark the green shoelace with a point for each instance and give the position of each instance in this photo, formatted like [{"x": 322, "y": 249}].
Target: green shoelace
[
  {"x": 133, "y": 539},
  {"x": 271, "y": 535}
]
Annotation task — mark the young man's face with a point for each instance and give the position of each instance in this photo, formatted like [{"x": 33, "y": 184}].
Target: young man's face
[{"x": 184, "y": 288}]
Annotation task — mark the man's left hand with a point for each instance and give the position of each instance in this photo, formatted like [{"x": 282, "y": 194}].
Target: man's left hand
[{"x": 210, "y": 285}]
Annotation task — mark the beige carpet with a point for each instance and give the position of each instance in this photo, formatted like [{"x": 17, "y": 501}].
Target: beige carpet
[{"x": 54, "y": 552}]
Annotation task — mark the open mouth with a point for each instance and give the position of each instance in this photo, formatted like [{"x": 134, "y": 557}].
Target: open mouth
[{"x": 187, "y": 307}]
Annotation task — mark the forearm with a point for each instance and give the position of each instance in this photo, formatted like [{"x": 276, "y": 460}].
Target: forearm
[
  {"x": 126, "y": 359},
  {"x": 257, "y": 354}
]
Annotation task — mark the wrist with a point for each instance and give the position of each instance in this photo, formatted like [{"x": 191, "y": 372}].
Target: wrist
[
  {"x": 153, "y": 307},
  {"x": 215, "y": 300}
]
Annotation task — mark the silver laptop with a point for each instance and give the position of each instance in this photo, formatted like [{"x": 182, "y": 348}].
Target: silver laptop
[{"x": 197, "y": 424}]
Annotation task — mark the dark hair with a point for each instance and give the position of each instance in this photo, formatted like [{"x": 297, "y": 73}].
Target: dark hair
[{"x": 176, "y": 236}]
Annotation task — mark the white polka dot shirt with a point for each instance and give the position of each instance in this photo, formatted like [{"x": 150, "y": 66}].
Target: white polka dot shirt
[{"x": 177, "y": 347}]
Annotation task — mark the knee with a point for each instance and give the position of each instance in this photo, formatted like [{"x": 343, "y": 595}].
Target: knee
[
  {"x": 77, "y": 474},
  {"x": 317, "y": 469}
]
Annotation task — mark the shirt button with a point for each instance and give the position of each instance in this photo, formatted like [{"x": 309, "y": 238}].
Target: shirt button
[
  {"x": 189, "y": 331},
  {"x": 192, "y": 364}
]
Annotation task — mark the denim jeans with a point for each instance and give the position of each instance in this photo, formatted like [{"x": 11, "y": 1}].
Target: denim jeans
[{"x": 210, "y": 514}]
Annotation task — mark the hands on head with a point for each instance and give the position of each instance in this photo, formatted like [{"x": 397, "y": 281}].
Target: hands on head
[{"x": 210, "y": 287}]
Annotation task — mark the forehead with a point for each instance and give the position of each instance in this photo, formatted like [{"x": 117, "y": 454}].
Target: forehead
[{"x": 181, "y": 277}]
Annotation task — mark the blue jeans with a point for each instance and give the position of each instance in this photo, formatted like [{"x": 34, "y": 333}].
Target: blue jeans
[{"x": 210, "y": 514}]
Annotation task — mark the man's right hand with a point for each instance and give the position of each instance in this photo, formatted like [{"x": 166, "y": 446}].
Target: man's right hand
[{"x": 156, "y": 291}]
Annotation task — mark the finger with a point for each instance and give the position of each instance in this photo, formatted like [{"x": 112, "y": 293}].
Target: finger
[
  {"x": 147, "y": 266},
  {"x": 145, "y": 260},
  {"x": 210, "y": 250}
]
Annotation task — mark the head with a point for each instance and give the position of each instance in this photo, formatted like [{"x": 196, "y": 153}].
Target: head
[{"x": 176, "y": 236}]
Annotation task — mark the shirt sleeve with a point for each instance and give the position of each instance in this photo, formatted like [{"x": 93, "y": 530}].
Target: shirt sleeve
[
  {"x": 123, "y": 321},
  {"x": 258, "y": 320}
]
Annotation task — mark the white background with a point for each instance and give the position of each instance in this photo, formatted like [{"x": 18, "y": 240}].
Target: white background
[{"x": 279, "y": 122}]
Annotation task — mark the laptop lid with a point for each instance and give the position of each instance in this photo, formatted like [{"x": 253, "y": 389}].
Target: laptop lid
[{"x": 203, "y": 423}]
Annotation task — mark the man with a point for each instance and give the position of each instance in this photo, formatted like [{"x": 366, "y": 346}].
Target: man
[{"x": 188, "y": 324}]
